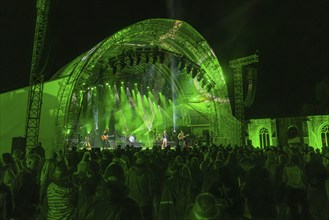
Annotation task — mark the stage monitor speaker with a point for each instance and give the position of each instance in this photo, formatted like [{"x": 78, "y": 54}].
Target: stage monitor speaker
[{"x": 18, "y": 143}]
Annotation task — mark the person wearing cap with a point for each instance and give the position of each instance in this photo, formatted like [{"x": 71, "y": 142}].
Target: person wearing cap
[{"x": 206, "y": 208}]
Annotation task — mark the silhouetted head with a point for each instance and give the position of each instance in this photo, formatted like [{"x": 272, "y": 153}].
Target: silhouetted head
[{"x": 205, "y": 207}]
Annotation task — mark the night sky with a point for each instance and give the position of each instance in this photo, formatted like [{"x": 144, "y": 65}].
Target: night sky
[{"x": 291, "y": 36}]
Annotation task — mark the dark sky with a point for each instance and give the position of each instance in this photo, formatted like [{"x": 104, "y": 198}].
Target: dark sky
[{"x": 291, "y": 36}]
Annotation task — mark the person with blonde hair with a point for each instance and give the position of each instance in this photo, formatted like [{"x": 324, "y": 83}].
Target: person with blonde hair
[{"x": 164, "y": 139}]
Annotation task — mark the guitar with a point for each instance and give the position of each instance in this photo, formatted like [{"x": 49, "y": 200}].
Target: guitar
[
  {"x": 182, "y": 137},
  {"x": 104, "y": 137}
]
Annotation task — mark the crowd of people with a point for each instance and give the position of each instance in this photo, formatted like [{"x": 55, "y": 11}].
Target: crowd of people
[{"x": 190, "y": 183}]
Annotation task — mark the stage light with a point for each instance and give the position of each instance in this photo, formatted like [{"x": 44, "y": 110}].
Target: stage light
[
  {"x": 114, "y": 69},
  {"x": 131, "y": 59},
  {"x": 199, "y": 77},
  {"x": 176, "y": 62},
  {"x": 155, "y": 55},
  {"x": 203, "y": 82},
  {"x": 112, "y": 64},
  {"x": 182, "y": 63},
  {"x": 162, "y": 57},
  {"x": 209, "y": 87},
  {"x": 173, "y": 62},
  {"x": 194, "y": 72},
  {"x": 154, "y": 58},
  {"x": 122, "y": 63},
  {"x": 188, "y": 68},
  {"x": 138, "y": 56},
  {"x": 147, "y": 58}
]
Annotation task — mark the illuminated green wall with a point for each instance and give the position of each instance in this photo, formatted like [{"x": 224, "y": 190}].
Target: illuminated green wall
[
  {"x": 254, "y": 128},
  {"x": 309, "y": 130},
  {"x": 314, "y": 124},
  {"x": 13, "y": 114},
  {"x": 12, "y": 117}
]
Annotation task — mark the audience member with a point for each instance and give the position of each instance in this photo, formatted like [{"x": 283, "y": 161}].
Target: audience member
[{"x": 215, "y": 182}]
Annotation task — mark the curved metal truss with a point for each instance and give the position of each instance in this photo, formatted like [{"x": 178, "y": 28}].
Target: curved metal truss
[{"x": 162, "y": 39}]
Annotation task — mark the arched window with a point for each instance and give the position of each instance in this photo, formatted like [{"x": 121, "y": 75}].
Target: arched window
[
  {"x": 264, "y": 137},
  {"x": 325, "y": 135},
  {"x": 293, "y": 135},
  {"x": 292, "y": 132}
]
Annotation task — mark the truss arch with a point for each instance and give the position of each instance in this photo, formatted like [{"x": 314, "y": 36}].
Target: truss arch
[{"x": 175, "y": 37}]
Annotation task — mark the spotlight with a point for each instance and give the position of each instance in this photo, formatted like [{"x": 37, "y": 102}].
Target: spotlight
[
  {"x": 182, "y": 63},
  {"x": 203, "y": 82},
  {"x": 161, "y": 57},
  {"x": 131, "y": 59},
  {"x": 147, "y": 58},
  {"x": 138, "y": 57},
  {"x": 114, "y": 69},
  {"x": 155, "y": 55},
  {"x": 113, "y": 66},
  {"x": 209, "y": 87},
  {"x": 122, "y": 63},
  {"x": 147, "y": 54},
  {"x": 194, "y": 72},
  {"x": 154, "y": 58},
  {"x": 199, "y": 77},
  {"x": 173, "y": 63},
  {"x": 188, "y": 68}
]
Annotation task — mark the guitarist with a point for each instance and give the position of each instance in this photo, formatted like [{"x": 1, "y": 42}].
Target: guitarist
[
  {"x": 105, "y": 139},
  {"x": 181, "y": 139}
]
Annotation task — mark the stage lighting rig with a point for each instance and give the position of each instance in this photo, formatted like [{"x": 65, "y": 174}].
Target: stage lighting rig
[
  {"x": 182, "y": 61},
  {"x": 162, "y": 56},
  {"x": 147, "y": 56},
  {"x": 122, "y": 62},
  {"x": 199, "y": 77},
  {"x": 188, "y": 68},
  {"x": 174, "y": 62},
  {"x": 112, "y": 63},
  {"x": 155, "y": 55},
  {"x": 209, "y": 87},
  {"x": 131, "y": 58},
  {"x": 194, "y": 72},
  {"x": 138, "y": 56}
]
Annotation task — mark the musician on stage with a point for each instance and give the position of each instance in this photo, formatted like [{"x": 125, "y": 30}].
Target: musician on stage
[
  {"x": 181, "y": 139},
  {"x": 105, "y": 139},
  {"x": 87, "y": 142},
  {"x": 164, "y": 139}
]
